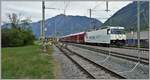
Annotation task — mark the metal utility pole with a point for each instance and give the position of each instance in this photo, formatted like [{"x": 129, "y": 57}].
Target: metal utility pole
[
  {"x": 110, "y": 22},
  {"x": 138, "y": 23},
  {"x": 90, "y": 12},
  {"x": 64, "y": 8},
  {"x": 43, "y": 20},
  {"x": 107, "y": 6},
  {"x": 42, "y": 28},
  {"x": 55, "y": 28}
]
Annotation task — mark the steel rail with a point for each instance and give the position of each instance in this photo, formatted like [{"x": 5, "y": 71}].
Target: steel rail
[
  {"x": 104, "y": 68},
  {"x": 85, "y": 71},
  {"x": 132, "y": 48},
  {"x": 92, "y": 62}
]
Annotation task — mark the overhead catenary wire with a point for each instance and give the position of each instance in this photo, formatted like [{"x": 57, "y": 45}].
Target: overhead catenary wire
[
  {"x": 96, "y": 6},
  {"x": 145, "y": 18},
  {"x": 66, "y": 6},
  {"x": 55, "y": 20},
  {"x": 106, "y": 10}
]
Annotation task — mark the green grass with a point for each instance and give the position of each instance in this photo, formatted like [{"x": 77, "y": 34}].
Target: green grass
[{"x": 26, "y": 62}]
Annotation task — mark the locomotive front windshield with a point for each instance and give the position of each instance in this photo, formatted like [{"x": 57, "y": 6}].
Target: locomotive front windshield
[{"x": 117, "y": 31}]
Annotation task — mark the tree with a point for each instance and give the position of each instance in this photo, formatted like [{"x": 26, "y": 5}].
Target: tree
[
  {"x": 19, "y": 34},
  {"x": 14, "y": 19},
  {"x": 26, "y": 23}
]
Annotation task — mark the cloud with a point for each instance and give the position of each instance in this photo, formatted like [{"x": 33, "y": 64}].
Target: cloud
[{"x": 34, "y": 9}]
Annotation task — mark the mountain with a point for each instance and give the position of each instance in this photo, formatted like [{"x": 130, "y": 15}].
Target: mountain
[
  {"x": 127, "y": 16},
  {"x": 64, "y": 25}
]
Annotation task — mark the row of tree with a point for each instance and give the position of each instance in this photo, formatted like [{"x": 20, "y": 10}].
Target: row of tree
[{"x": 18, "y": 34}]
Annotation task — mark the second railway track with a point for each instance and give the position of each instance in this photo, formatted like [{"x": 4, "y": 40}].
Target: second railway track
[
  {"x": 116, "y": 54},
  {"x": 92, "y": 69}
]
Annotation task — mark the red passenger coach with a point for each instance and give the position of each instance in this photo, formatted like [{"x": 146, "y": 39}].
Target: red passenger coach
[{"x": 75, "y": 38}]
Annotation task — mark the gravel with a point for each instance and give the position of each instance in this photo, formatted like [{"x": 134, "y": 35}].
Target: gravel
[
  {"x": 115, "y": 64},
  {"x": 67, "y": 69}
]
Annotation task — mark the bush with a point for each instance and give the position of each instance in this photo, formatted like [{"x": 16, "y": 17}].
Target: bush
[
  {"x": 5, "y": 37},
  {"x": 16, "y": 37}
]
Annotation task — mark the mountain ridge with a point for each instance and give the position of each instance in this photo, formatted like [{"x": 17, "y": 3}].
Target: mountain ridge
[
  {"x": 127, "y": 17},
  {"x": 63, "y": 25}
]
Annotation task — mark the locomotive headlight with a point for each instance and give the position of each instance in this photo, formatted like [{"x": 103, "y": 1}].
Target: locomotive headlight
[
  {"x": 123, "y": 37},
  {"x": 119, "y": 36}
]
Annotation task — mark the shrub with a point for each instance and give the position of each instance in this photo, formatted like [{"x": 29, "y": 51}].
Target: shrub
[{"x": 16, "y": 37}]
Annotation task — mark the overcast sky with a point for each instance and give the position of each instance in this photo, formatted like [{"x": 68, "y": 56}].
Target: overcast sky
[{"x": 33, "y": 9}]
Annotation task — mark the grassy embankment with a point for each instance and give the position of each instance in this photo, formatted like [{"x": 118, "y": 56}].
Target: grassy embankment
[{"x": 27, "y": 62}]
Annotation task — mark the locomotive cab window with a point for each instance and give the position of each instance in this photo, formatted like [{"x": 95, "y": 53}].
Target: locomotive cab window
[{"x": 117, "y": 31}]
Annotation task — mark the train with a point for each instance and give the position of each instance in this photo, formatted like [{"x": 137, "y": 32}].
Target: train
[{"x": 110, "y": 35}]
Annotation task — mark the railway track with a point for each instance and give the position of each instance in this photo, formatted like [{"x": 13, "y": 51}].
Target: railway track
[
  {"x": 116, "y": 54},
  {"x": 92, "y": 69},
  {"x": 132, "y": 48}
]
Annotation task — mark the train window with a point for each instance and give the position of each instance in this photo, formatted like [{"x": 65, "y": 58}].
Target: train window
[
  {"x": 93, "y": 37},
  {"x": 90, "y": 37}
]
